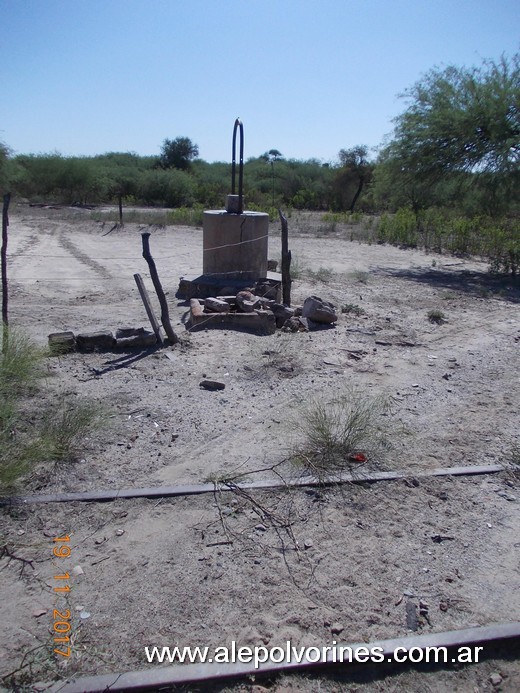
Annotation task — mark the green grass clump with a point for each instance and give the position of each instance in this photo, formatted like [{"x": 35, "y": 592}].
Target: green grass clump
[
  {"x": 31, "y": 434},
  {"x": 185, "y": 216},
  {"x": 63, "y": 429},
  {"x": 353, "y": 309},
  {"x": 333, "y": 434},
  {"x": 436, "y": 316}
]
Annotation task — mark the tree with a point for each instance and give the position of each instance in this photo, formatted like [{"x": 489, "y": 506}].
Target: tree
[
  {"x": 178, "y": 153},
  {"x": 271, "y": 156},
  {"x": 462, "y": 121},
  {"x": 4, "y": 156},
  {"x": 356, "y": 168}
]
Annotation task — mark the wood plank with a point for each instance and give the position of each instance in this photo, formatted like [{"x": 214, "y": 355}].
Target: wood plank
[
  {"x": 149, "y": 309},
  {"x": 197, "y": 489},
  {"x": 185, "y": 674}
]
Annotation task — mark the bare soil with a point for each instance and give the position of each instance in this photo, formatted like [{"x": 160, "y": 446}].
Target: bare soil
[{"x": 309, "y": 566}]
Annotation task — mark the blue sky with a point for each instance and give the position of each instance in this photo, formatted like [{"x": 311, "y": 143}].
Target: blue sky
[{"x": 307, "y": 77}]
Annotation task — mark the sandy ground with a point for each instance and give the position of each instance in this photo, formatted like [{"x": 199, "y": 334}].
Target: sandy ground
[{"x": 265, "y": 567}]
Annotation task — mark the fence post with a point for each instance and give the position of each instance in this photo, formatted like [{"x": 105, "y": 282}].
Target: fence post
[
  {"x": 5, "y": 291},
  {"x": 286, "y": 262}
]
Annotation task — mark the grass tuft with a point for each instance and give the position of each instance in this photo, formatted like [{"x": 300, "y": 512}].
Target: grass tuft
[
  {"x": 436, "y": 316},
  {"x": 342, "y": 433},
  {"x": 353, "y": 309},
  {"x": 29, "y": 435}
]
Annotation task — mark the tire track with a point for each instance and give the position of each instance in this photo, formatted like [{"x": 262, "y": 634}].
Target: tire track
[
  {"x": 78, "y": 254},
  {"x": 29, "y": 243}
]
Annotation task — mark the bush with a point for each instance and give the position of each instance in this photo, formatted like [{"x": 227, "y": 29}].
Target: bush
[
  {"x": 27, "y": 436},
  {"x": 341, "y": 433},
  {"x": 186, "y": 216},
  {"x": 399, "y": 228}
]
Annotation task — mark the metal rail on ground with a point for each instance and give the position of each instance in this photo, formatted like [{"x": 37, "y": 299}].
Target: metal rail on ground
[
  {"x": 196, "y": 674},
  {"x": 197, "y": 489}
]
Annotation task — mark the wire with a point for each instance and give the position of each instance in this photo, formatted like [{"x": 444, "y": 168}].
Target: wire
[{"x": 232, "y": 245}]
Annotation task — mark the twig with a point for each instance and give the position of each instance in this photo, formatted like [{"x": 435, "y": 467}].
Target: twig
[
  {"x": 219, "y": 543},
  {"x": 22, "y": 665},
  {"x": 12, "y": 556}
]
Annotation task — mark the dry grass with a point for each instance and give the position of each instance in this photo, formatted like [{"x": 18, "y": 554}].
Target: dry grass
[
  {"x": 29, "y": 434},
  {"x": 343, "y": 433}
]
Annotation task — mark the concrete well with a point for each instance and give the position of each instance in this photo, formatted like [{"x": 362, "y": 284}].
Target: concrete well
[{"x": 235, "y": 245}]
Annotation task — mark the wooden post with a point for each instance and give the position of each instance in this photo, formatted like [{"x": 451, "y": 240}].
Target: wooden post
[
  {"x": 165, "y": 315},
  {"x": 286, "y": 262},
  {"x": 149, "y": 309},
  {"x": 120, "y": 203},
  {"x": 5, "y": 295}
]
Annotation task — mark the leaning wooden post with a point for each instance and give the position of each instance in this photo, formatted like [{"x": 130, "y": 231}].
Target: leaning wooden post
[
  {"x": 286, "y": 262},
  {"x": 5, "y": 295},
  {"x": 165, "y": 315},
  {"x": 149, "y": 308}
]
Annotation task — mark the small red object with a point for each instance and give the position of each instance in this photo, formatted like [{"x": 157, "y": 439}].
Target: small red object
[{"x": 358, "y": 457}]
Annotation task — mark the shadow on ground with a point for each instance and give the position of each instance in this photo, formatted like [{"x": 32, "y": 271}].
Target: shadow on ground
[{"x": 478, "y": 284}]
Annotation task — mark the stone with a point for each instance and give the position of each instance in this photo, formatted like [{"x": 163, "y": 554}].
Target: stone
[
  {"x": 123, "y": 332},
  {"x": 95, "y": 341},
  {"x": 337, "y": 628},
  {"x": 247, "y": 302},
  {"x": 318, "y": 310},
  {"x": 291, "y": 325},
  {"x": 249, "y": 306},
  {"x": 496, "y": 679},
  {"x": 61, "y": 343},
  {"x": 212, "y": 385},
  {"x": 142, "y": 339},
  {"x": 269, "y": 288},
  {"x": 296, "y": 324},
  {"x": 281, "y": 313},
  {"x": 411, "y": 616},
  {"x": 217, "y": 305}
]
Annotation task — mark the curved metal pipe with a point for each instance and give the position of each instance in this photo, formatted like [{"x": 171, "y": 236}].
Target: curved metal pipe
[{"x": 238, "y": 125}]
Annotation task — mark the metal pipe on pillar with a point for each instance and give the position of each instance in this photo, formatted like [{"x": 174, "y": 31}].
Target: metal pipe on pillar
[{"x": 235, "y": 241}]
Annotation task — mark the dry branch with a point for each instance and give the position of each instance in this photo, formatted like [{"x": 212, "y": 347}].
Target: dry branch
[{"x": 165, "y": 316}]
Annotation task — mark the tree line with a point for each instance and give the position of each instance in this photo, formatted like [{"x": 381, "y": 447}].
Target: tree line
[{"x": 455, "y": 146}]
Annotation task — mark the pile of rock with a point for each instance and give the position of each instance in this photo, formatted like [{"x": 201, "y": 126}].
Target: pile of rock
[{"x": 312, "y": 315}]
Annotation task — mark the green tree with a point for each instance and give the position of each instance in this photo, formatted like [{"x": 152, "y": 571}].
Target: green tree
[
  {"x": 178, "y": 153},
  {"x": 462, "y": 123},
  {"x": 354, "y": 174},
  {"x": 4, "y": 156}
]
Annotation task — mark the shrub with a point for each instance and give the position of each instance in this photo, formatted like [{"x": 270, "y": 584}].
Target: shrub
[
  {"x": 26, "y": 435},
  {"x": 353, "y": 308},
  {"x": 399, "y": 228},
  {"x": 341, "y": 433},
  {"x": 186, "y": 216},
  {"x": 436, "y": 316}
]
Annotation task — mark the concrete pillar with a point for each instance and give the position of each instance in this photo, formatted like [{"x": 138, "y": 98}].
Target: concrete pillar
[{"x": 235, "y": 245}]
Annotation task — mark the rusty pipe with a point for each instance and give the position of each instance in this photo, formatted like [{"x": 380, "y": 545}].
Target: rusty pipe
[{"x": 238, "y": 126}]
